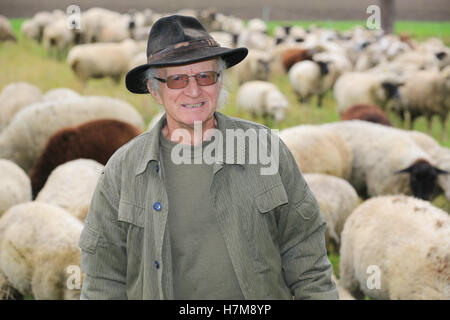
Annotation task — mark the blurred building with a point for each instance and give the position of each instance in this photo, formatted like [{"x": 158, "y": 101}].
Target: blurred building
[{"x": 432, "y": 10}]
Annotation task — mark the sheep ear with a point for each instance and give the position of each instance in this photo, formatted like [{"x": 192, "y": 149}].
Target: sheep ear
[
  {"x": 323, "y": 67},
  {"x": 406, "y": 170},
  {"x": 441, "y": 55},
  {"x": 440, "y": 171}
]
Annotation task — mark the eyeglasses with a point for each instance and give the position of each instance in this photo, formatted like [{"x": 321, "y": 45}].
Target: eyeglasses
[{"x": 180, "y": 81}]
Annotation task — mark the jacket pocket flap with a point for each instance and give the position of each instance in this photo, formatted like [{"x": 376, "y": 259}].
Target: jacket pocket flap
[
  {"x": 88, "y": 239},
  {"x": 131, "y": 213},
  {"x": 272, "y": 198}
]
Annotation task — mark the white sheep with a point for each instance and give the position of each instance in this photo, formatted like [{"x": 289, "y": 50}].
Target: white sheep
[
  {"x": 262, "y": 98},
  {"x": 257, "y": 25},
  {"x": 15, "y": 185},
  {"x": 396, "y": 247},
  {"x": 94, "y": 20},
  {"x": 42, "y": 19},
  {"x": 427, "y": 93},
  {"x": 317, "y": 150},
  {"x": 71, "y": 186},
  {"x": 39, "y": 251},
  {"x": 138, "y": 59},
  {"x": 392, "y": 163},
  {"x": 256, "y": 66},
  {"x": 25, "y": 137},
  {"x": 337, "y": 199},
  {"x": 254, "y": 39},
  {"x": 14, "y": 97},
  {"x": 99, "y": 60},
  {"x": 311, "y": 78},
  {"x": 6, "y": 32},
  {"x": 225, "y": 39},
  {"x": 60, "y": 94},
  {"x": 30, "y": 29},
  {"x": 58, "y": 38},
  {"x": 365, "y": 88}
]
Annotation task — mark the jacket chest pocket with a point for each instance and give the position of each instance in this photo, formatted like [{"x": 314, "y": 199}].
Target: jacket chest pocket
[
  {"x": 131, "y": 213},
  {"x": 262, "y": 229},
  {"x": 134, "y": 217}
]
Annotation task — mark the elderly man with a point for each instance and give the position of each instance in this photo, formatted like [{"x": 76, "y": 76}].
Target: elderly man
[{"x": 161, "y": 228}]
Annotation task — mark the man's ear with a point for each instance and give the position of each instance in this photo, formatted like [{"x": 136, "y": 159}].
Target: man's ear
[{"x": 155, "y": 94}]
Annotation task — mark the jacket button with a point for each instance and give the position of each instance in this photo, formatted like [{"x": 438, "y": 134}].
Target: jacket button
[
  {"x": 156, "y": 264},
  {"x": 157, "y": 168},
  {"x": 157, "y": 206}
]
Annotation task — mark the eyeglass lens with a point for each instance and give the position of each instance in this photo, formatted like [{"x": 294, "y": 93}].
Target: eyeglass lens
[{"x": 179, "y": 81}]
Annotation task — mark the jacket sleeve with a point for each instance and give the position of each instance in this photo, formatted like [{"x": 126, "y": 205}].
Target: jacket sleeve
[
  {"x": 307, "y": 270},
  {"x": 103, "y": 244}
]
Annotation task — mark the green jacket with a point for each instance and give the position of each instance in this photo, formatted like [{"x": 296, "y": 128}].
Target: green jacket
[{"x": 271, "y": 224}]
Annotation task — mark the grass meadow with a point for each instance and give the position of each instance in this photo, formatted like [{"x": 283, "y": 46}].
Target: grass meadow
[{"x": 26, "y": 60}]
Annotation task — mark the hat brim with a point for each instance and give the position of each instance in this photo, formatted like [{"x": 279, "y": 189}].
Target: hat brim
[{"x": 135, "y": 79}]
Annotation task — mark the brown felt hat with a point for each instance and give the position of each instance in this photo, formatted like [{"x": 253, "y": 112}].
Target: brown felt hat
[{"x": 178, "y": 40}]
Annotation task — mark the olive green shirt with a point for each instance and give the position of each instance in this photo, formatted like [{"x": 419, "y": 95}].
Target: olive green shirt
[
  {"x": 202, "y": 269},
  {"x": 271, "y": 224}
]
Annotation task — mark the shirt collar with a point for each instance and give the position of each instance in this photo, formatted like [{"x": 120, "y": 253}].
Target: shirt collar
[{"x": 151, "y": 151}]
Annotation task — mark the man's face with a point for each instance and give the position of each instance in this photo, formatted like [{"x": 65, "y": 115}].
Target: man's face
[{"x": 192, "y": 103}]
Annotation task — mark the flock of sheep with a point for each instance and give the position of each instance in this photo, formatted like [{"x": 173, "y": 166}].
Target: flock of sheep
[{"x": 373, "y": 182}]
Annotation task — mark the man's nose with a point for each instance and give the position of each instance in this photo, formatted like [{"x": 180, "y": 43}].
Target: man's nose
[{"x": 192, "y": 89}]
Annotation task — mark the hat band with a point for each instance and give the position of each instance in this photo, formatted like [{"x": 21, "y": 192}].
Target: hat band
[{"x": 182, "y": 46}]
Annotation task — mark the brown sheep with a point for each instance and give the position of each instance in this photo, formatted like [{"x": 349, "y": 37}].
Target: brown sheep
[
  {"x": 294, "y": 55},
  {"x": 97, "y": 140},
  {"x": 366, "y": 112}
]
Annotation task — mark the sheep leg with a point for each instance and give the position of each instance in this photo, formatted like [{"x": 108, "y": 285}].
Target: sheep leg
[
  {"x": 407, "y": 120},
  {"x": 116, "y": 78},
  {"x": 429, "y": 124},
  {"x": 319, "y": 100},
  {"x": 444, "y": 129}
]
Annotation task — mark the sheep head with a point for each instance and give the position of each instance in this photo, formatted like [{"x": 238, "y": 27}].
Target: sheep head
[{"x": 422, "y": 178}]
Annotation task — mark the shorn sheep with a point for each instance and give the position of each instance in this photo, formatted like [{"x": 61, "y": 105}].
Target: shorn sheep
[
  {"x": 71, "y": 186},
  {"x": 366, "y": 112},
  {"x": 262, "y": 98},
  {"x": 96, "y": 140},
  {"x": 396, "y": 247},
  {"x": 391, "y": 164},
  {"x": 25, "y": 137},
  {"x": 317, "y": 150},
  {"x": 15, "y": 186},
  {"x": 337, "y": 199},
  {"x": 39, "y": 251}
]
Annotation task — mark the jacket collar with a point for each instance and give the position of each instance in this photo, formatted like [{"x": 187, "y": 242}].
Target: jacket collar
[{"x": 151, "y": 151}]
